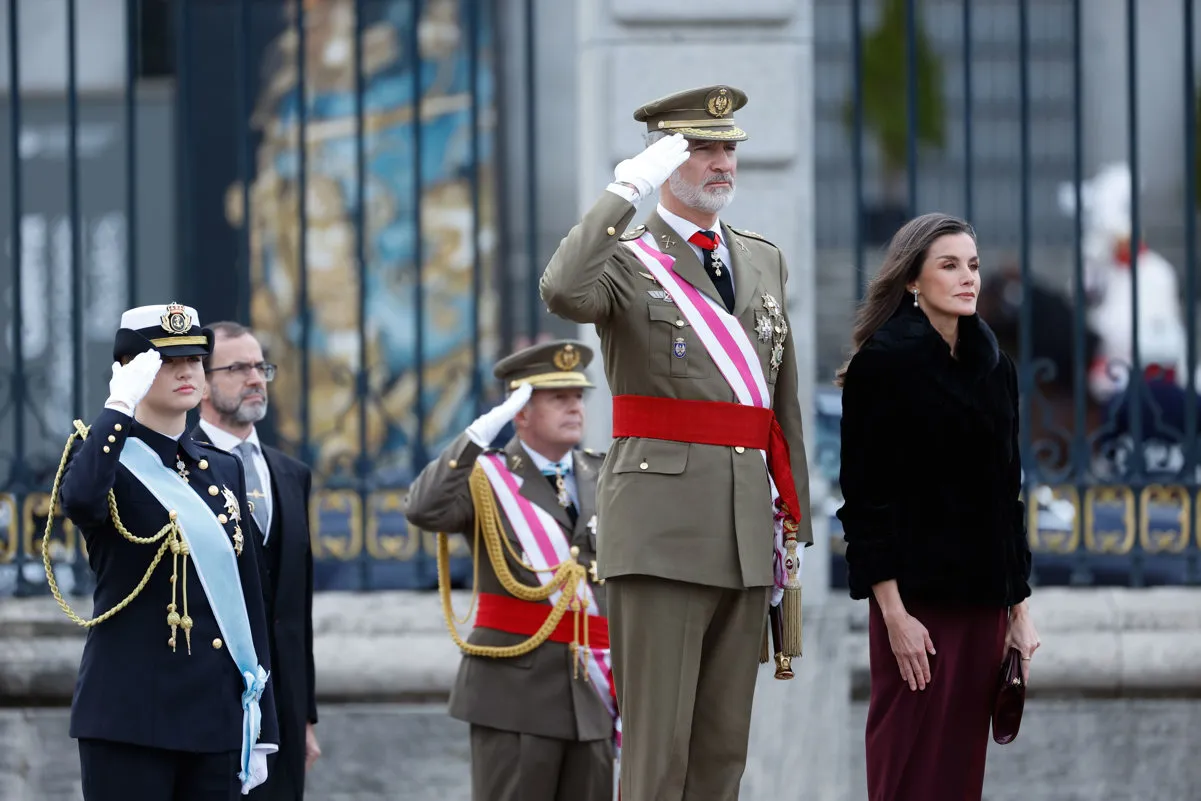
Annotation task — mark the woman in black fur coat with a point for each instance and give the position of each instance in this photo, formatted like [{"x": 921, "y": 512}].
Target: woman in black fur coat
[{"x": 935, "y": 529}]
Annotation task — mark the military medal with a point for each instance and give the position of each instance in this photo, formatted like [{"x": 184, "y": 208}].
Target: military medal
[
  {"x": 773, "y": 327},
  {"x": 717, "y": 264},
  {"x": 777, "y": 356},
  {"x": 763, "y": 328},
  {"x": 235, "y": 514},
  {"x": 181, "y": 468},
  {"x": 561, "y": 488}
]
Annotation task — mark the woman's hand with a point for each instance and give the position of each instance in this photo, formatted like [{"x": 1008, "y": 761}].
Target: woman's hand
[
  {"x": 911, "y": 643},
  {"x": 1022, "y": 635}
]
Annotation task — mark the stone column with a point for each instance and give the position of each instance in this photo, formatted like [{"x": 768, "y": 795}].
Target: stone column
[{"x": 630, "y": 52}]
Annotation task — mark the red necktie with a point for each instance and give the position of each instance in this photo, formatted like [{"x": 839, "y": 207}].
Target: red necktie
[{"x": 705, "y": 240}]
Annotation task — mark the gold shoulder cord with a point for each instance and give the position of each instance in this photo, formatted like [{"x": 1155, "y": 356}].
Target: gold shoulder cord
[
  {"x": 568, "y": 576},
  {"x": 168, "y": 533}
]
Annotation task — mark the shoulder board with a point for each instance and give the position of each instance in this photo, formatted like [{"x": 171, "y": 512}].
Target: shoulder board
[
  {"x": 633, "y": 233},
  {"x": 751, "y": 234}
]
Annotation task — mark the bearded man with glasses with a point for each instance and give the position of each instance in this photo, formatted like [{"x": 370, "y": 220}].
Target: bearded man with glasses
[{"x": 278, "y": 489}]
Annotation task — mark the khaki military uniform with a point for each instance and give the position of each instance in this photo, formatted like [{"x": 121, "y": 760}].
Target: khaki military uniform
[
  {"x": 539, "y": 730},
  {"x": 685, "y": 529}
]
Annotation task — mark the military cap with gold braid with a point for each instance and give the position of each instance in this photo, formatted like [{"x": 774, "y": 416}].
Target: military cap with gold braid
[
  {"x": 702, "y": 113},
  {"x": 172, "y": 329},
  {"x": 549, "y": 365}
]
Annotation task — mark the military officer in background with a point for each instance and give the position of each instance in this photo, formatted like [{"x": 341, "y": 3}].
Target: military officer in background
[
  {"x": 697, "y": 536},
  {"x": 173, "y": 700},
  {"x": 542, "y": 715}
]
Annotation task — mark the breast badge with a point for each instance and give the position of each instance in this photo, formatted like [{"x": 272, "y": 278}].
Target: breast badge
[
  {"x": 772, "y": 325},
  {"x": 679, "y": 348},
  {"x": 235, "y": 514}
]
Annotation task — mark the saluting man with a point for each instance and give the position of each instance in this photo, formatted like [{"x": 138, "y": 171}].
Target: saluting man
[
  {"x": 543, "y": 717},
  {"x": 173, "y": 700},
  {"x": 703, "y": 501}
]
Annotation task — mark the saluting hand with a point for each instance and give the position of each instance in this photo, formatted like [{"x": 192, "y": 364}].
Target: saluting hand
[
  {"x": 131, "y": 382},
  {"x": 485, "y": 427},
  {"x": 647, "y": 171}
]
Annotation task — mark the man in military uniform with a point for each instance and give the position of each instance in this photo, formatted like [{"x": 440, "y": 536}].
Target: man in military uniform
[
  {"x": 542, "y": 714},
  {"x": 703, "y": 500},
  {"x": 173, "y": 699}
]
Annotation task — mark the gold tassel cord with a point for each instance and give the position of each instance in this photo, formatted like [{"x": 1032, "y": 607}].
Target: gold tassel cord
[
  {"x": 568, "y": 576},
  {"x": 81, "y": 431},
  {"x": 790, "y": 605}
]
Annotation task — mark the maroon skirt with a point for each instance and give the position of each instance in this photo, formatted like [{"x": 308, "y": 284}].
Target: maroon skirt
[{"x": 930, "y": 745}]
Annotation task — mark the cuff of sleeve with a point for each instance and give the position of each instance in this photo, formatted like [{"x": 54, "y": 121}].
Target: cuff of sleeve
[
  {"x": 871, "y": 564},
  {"x": 623, "y": 191},
  {"x": 467, "y": 452}
]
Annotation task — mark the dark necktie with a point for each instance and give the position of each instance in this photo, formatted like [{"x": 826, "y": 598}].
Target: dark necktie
[{"x": 719, "y": 272}]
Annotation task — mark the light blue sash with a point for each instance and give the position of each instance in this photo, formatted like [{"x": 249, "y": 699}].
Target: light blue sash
[{"x": 217, "y": 566}]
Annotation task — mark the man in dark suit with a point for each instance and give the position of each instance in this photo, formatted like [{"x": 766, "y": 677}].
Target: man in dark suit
[
  {"x": 278, "y": 487},
  {"x": 174, "y": 696}
]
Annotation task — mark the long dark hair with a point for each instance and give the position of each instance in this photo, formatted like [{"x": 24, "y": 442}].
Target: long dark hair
[{"x": 902, "y": 264}]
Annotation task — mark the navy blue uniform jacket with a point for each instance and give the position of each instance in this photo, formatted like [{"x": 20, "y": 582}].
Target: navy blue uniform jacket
[{"x": 132, "y": 688}]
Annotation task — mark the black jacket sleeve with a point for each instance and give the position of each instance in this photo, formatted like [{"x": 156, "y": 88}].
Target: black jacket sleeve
[{"x": 870, "y": 442}]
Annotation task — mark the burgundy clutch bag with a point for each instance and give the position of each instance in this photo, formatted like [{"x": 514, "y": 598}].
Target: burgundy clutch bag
[{"x": 1010, "y": 699}]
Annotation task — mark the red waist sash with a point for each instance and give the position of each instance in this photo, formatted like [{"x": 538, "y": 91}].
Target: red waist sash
[
  {"x": 713, "y": 423},
  {"x": 515, "y": 616}
]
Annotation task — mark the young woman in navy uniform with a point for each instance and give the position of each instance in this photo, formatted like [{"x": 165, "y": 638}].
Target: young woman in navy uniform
[{"x": 173, "y": 700}]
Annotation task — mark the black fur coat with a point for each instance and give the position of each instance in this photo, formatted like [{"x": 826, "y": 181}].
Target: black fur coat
[{"x": 931, "y": 469}]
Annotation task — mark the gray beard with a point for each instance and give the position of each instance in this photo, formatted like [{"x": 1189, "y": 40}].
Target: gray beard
[
  {"x": 241, "y": 413},
  {"x": 696, "y": 197}
]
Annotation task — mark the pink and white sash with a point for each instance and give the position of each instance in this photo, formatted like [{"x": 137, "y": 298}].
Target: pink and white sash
[
  {"x": 546, "y": 547},
  {"x": 731, "y": 349}
]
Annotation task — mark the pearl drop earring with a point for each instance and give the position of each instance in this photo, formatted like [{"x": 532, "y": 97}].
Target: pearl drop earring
[{"x": 915, "y": 297}]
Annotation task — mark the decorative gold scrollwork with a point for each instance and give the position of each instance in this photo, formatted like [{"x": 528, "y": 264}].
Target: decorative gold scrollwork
[
  {"x": 1111, "y": 540},
  {"x": 9, "y": 528},
  {"x": 1177, "y": 502},
  {"x": 1044, "y": 535},
  {"x": 398, "y": 541},
  {"x": 343, "y": 540},
  {"x": 35, "y": 511}
]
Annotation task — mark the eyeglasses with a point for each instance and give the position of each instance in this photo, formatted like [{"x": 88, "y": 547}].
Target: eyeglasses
[{"x": 242, "y": 370}]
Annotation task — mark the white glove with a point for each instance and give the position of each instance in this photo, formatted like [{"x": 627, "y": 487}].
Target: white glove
[
  {"x": 258, "y": 766},
  {"x": 485, "y": 427},
  {"x": 650, "y": 168},
  {"x": 131, "y": 382}
]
